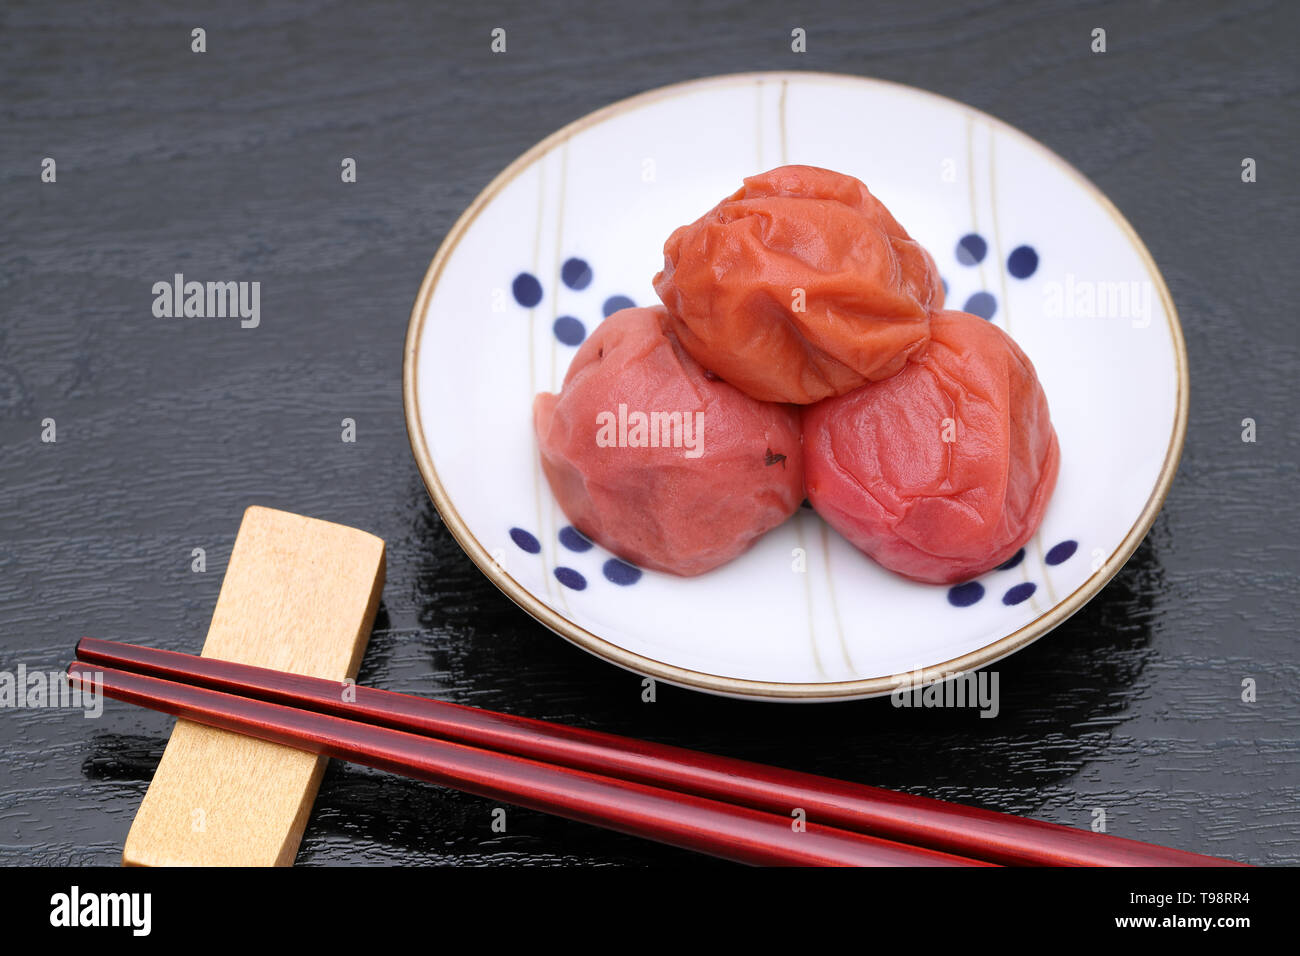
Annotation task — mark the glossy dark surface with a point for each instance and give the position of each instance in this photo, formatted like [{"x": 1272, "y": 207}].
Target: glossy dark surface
[{"x": 226, "y": 166}]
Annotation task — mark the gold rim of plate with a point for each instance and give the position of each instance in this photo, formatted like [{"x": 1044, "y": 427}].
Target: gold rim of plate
[{"x": 741, "y": 687}]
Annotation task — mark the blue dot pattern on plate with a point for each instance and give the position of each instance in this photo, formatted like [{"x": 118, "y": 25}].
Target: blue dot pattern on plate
[
  {"x": 1012, "y": 561},
  {"x": 570, "y": 578},
  {"x": 1061, "y": 552},
  {"x": 971, "y": 249},
  {"x": 621, "y": 573},
  {"x": 615, "y": 570},
  {"x": 1023, "y": 262},
  {"x": 964, "y": 595},
  {"x": 527, "y": 290},
  {"x": 575, "y": 273},
  {"x": 982, "y": 304},
  {"x": 616, "y": 302},
  {"x": 1019, "y": 593},
  {"x": 569, "y": 330},
  {"x": 525, "y": 540},
  {"x": 573, "y": 539}
]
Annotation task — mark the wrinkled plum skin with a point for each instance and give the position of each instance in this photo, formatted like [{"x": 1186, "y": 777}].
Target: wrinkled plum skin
[
  {"x": 656, "y": 507},
  {"x": 880, "y": 472},
  {"x": 730, "y": 278}
]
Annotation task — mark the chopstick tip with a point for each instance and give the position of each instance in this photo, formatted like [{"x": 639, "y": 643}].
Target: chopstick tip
[{"x": 80, "y": 671}]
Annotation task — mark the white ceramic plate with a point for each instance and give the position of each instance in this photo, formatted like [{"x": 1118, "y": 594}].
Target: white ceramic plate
[{"x": 575, "y": 228}]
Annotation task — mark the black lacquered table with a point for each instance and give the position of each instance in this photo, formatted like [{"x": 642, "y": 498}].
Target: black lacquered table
[{"x": 227, "y": 164}]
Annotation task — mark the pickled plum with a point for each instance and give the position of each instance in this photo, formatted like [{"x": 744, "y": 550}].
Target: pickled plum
[
  {"x": 798, "y": 286},
  {"x": 943, "y": 471},
  {"x": 659, "y": 461}
]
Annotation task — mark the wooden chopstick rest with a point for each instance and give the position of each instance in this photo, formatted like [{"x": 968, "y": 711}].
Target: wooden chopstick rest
[{"x": 299, "y": 595}]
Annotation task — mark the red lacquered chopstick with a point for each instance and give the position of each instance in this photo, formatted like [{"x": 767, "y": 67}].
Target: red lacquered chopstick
[
  {"x": 920, "y": 821},
  {"x": 709, "y": 826}
]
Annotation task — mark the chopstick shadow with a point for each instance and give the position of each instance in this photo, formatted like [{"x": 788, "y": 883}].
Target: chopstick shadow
[
  {"x": 124, "y": 757},
  {"x": 386, "y": 819}
]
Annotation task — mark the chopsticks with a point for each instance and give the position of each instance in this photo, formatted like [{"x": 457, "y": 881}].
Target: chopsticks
[
  {"x": 730, "y": 808},
  {"x": 721, "y": 829}
]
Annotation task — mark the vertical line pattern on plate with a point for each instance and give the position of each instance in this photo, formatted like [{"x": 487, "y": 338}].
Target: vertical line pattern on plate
[
  {"x": 808, "y": 597},
  {"x": 970, "y": 178},
  {"x": 997, "y": 230},
  {"x": 784, "y": 148},
  {"x": 556, "y": 259},
  {"x": 532, "y": 374},
  {"x": 830, "y": 590},
  {"x": 1006, "y": 324}
]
